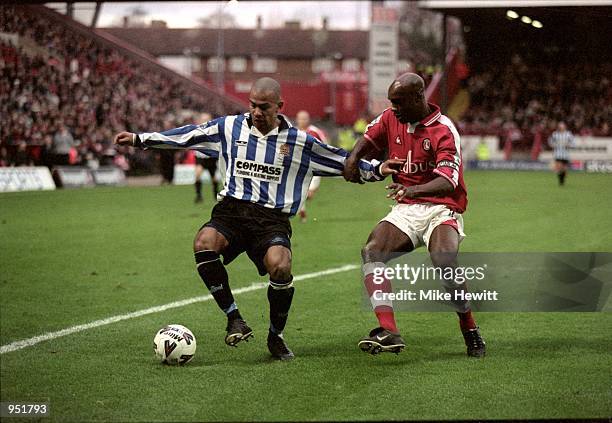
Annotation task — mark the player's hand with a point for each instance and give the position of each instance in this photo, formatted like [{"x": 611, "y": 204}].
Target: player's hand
[
  {"x": 399, "y": 191},
  {"x": 351, "y": 171},
  {"x": 391, "y": 167},
  {"x": 124, "y": 138}
]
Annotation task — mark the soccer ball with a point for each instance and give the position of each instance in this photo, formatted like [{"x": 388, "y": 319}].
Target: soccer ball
[{"x": 174, "y": 344}]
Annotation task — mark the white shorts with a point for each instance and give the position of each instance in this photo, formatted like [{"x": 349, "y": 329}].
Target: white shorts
[{"x": 419, "y": 220}]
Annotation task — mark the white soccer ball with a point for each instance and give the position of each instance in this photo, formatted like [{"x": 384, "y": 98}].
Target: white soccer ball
[{"x": 174, "y": 344}]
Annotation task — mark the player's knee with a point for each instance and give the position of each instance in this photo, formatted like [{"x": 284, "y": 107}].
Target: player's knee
[
  {"x": 205, "y": 240},
  {"x": 201, "y": 243},
  {"x": 278, "y": 266},
  {"x": 444, "y": 257},
  {"x": 280, "y": 270},
  {"x": 373, "y": 251},
  {"x": 277, "y": 262}
]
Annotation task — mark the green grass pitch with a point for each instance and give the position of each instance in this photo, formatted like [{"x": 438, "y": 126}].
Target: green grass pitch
[{"x": 72, "y": 257}]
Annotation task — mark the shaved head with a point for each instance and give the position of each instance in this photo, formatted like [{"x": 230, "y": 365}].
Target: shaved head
[
  {"x": 269, "y": 87},
  {"x": 408, "y": 83},
  {"x": 264, "y": 103},
  {"x": 407, "y": 97}
]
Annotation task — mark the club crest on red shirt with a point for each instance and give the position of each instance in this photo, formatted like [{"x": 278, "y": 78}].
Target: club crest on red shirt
[
  {"x": 426, "y": 144},
  {"x": 398, "y": 140}
]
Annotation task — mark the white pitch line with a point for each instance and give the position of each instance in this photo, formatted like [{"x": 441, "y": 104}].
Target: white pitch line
[{"x": 24, "y": 343}]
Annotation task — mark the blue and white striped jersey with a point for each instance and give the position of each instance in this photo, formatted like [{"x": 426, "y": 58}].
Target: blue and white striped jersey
[
  {"x": 273, "y": 170},
  {"x": 561, "y": 142}
]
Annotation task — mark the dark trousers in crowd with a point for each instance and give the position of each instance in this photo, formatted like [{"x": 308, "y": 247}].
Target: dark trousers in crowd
[{"x": 61, "y": 159}]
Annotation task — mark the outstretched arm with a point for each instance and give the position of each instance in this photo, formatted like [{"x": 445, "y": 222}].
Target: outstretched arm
[
  {"x": 124, "y": 138},
  {"x": 363, "y": 148},
  {"x": 203, "y": 138},
  {"x": 327, "y": 160}
]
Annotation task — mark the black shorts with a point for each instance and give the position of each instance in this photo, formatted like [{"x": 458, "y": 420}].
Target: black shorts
[
  {"x": 564, "y": 161},
  {"x": 249, "y": 227},
  {"x": 208, "y": 163}
]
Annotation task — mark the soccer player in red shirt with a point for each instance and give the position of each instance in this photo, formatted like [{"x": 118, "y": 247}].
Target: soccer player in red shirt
[
  {"x": 302, "y": 120},
  {"x": 430, "y": 194}
]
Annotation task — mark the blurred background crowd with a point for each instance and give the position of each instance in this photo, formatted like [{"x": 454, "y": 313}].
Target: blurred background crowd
[{"x": 65, "y": 88}]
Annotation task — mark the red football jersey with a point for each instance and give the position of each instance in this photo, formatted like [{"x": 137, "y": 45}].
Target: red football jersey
[
  {"x": 317, "y": 133},
  {"x": 431, "y": 148}
]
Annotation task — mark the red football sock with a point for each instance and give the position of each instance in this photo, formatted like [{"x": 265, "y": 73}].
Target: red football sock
[
  {"x": 384, "y": 312},
  {"x": 466, "y": 320}
]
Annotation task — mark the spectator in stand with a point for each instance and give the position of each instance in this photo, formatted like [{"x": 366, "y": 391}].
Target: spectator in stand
[
  {"x": 482, "y": 150},
  {"x": 63, "y": 142},
  {"x": 21, "y": 156},
  {"x": 539, "y": 95},
  {"x": 360, "y": 126},
  {"x": 4, "y": 159},
  {"x": 46, "y": 151},
  {"x": 511, "y": 135},
  {"x": 94, "y": 90}
]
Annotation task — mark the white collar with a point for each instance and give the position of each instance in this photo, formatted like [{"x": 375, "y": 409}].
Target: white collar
[{"x": 412, "y": 126}]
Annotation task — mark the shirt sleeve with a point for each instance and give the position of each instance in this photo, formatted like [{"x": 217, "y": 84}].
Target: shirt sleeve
[
  {"x": 203, "y": 138},
  {"x": 376, "y": 132},
  {"x": 327, "y": 160},
  {"x": 448, "y": 156}
]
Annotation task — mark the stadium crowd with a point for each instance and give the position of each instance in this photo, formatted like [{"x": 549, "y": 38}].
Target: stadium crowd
[
  {"x": 519, "y": 99},
  {"x": 63, "y": 94},
  {"x": 63, "y": 98}
]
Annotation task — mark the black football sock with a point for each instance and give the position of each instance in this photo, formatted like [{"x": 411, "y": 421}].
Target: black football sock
[
  {"x": 234, "y": 314},
  {"x": 198, "y": 188},
  {"x": 562, "y": 178},
  {"x": 280, "y": 295},
  {"x": 214, "y": 275}
]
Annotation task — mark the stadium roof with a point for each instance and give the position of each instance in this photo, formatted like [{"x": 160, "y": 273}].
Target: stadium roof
[
  {"x": 454, "y": 4},
  {"x": 542, "y": 30},
  {"x": 488, "y": 11}
]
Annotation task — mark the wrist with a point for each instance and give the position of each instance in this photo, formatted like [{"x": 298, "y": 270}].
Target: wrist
[
  {"x": 136, "y": 142},
  {"x": 350, "y": 163},
  {"x": 378, "y": 171},
  {"x": 413, "y": 191}
]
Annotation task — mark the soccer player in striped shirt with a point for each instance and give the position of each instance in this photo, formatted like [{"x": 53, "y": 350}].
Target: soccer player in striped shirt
[
  {"x": 561, "y": 141},
  {"x": 267, "y": 167},
  {"x": 431, "y": 196}
]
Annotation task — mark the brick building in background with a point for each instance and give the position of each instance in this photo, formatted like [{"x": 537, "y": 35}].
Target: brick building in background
[{"x": 323, "y": 71}]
